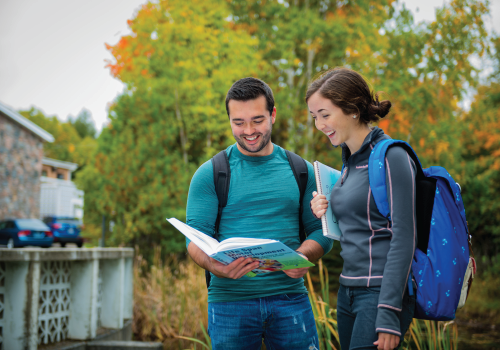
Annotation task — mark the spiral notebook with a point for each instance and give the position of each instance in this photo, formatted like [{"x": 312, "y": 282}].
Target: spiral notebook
[{"x": 326, "y": 177}]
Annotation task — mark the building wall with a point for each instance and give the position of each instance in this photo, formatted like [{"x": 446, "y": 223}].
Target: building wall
[{"x": 21, "y": 154}]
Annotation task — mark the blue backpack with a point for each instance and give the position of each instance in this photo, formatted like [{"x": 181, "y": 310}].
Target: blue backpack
[{"x": 442, "y": 253}]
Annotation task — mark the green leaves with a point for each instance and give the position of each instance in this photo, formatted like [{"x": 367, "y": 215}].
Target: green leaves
[
  {"x": 177, "y": 65},
  {"x": 182, "y": 57}
]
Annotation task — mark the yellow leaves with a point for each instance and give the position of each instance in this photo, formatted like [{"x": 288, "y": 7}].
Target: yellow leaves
[
  {"x": 442, "y": 147},
  {"x": 71, "y": 148},
  {"x": 421, "y": 142}
]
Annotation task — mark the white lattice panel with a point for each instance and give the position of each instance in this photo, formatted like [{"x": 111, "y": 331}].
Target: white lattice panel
[
  {"x": 53, "y": 307},
  {"x": 99, "y": 296},
  {"x": 2, "y": 299}
]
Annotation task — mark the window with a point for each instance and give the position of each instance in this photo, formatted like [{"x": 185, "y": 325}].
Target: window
[
  {"x": 10, "y": 224},
  {"x": 44, "y": 172},
  {"x": 60, "y": 176}
]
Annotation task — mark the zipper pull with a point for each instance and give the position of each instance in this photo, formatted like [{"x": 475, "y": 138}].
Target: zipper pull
[{"x": 342, "y": 180}]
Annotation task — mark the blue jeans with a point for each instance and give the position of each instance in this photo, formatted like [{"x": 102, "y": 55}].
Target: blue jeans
[
  {"x": 284, "y": 321},
  {"x": 356, "y": 314}
]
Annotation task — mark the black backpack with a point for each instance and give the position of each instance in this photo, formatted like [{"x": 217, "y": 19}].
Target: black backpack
[{"x": 222, "y": 177}]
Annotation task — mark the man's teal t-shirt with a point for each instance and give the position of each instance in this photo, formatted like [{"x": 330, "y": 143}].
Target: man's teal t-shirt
[{"x": 263, "y": 202}]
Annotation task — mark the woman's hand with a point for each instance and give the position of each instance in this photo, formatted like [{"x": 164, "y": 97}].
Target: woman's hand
[
  {"x": 319, "y": 204},
  {"x": 386, "y": 341}
]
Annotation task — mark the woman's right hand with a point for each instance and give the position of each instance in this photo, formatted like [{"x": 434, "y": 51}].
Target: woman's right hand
[{"x": 319, "y": 204}]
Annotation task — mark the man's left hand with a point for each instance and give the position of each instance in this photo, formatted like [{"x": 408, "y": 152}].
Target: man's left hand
[{"x": 297, "y": 273}]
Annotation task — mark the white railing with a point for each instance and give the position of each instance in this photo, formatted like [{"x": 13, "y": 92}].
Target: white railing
[{"x": 49, "y": 295}]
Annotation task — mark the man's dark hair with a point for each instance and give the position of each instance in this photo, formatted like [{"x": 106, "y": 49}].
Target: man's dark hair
[{"x": 247, "y": 89}]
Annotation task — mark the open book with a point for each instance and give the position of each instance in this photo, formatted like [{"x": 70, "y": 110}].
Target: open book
[
  {"x": 326, "y": 178},
  {"x": 272, "y": 255}
]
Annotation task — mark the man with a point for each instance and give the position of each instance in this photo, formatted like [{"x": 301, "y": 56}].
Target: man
[{"x": 263, "y": 202}]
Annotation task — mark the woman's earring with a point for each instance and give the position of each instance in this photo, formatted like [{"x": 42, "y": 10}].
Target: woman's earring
[{"x": 355, "y": 116}]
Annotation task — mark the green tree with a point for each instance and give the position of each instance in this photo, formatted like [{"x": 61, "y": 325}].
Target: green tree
[
  {"x": 84, "y": 124},
  {"x": 66, "y": 137},
  {"x": 177, "y": 65},
  {"x": 300, "y": 38},
  {"x": 481, "y": 151},
  {"x": 68, "y": 145},
  {"x": 426, "y": 73}
]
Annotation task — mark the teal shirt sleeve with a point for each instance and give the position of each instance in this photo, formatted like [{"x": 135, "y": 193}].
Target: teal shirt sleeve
[
  {"x": 202, "y": 203},
  {"x": 311, "y": 224}
]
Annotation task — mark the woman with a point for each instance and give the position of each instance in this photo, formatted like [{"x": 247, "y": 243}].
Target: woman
[{"x": 374, "y": 308}]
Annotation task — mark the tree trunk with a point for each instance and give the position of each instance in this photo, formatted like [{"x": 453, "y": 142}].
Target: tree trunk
[
  {"x": 308, "y": 154},
  {"x": 182, "y": 133}
]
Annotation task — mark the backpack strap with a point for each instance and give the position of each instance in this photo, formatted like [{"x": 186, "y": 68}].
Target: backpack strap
[
  {"x": 376, "y": 172},
  {"x": 222, "y": 177},
  {"x": 300, "y": 172}
]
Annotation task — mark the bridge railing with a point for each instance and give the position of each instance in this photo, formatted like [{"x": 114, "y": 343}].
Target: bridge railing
[{"x": 50, "y": 295}]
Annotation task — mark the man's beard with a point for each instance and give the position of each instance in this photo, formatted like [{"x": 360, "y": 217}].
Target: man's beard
[{"x": 264, "y": 142}]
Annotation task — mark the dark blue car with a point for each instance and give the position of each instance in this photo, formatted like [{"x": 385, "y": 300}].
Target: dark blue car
[
  {"x": 65, "y": 229},
  {"x": 24, "y": 232}
]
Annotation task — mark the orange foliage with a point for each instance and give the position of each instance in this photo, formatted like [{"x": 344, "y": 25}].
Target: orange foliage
[{"x": 384, "y": 125}]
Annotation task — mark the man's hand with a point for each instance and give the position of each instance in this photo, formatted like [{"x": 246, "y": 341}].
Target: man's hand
[
  {"x": 386, "y": 341},
  {"x": 234, "y": 270},
  {"x": 297, "y": 273}
]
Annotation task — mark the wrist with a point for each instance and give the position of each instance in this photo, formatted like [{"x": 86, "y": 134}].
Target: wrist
[{"x": 302, "y": 255}]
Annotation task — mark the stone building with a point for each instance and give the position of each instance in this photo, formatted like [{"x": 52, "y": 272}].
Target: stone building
[{"x": 21, "y": 153}]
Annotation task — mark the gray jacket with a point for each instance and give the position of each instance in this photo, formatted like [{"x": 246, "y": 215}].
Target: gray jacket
[{"x": 376, "y": 254}]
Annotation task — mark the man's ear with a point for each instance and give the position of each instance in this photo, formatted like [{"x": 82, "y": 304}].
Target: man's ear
[{"x": 273, "y": 115}]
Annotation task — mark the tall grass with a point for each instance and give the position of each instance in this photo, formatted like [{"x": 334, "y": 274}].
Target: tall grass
[
  {"x": 432, "y": 335},
  {"x": 171, "y": 306},
  {"x": 324, "y": 315},
  {"x": 170, "y": 300}
]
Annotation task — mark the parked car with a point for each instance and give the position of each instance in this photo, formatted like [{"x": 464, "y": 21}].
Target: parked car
[
  {"x": 65, "y": 229},
  {"x": 23, "y": 232}
]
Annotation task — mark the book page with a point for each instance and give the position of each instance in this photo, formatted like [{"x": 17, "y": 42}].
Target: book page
[
  {"x": 326, "y": 178},
  {"x": 203, "y": 241},
  {"x": 242, "y": 242}
]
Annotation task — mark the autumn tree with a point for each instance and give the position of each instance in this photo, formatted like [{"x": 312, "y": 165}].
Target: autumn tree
[
  {"x": 68, "y": 145},
  {"x": 428, "y": 71},
  {"x": 480, "y": 150},
  {"x": 177, "y": 66},
  {"x": 300, "y": 38}
]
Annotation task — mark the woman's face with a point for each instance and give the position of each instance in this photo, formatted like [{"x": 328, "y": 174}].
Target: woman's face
[{"x": 331, "y": 120}]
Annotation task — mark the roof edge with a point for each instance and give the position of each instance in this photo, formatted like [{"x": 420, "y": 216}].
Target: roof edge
[
  {"x": 59, "y": 164},
  {"x": 28, "y": 124}
]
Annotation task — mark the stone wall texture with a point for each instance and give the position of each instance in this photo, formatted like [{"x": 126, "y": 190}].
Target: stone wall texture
[{"x": 21, "y": 153}]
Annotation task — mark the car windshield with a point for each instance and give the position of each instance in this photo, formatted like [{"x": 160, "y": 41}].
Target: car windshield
[
  {"x": 31, "y": 224},
  {"x": 75, "y": 222}
]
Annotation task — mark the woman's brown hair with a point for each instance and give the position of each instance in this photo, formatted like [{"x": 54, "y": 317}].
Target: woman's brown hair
[{"x": 349, "y": 91}]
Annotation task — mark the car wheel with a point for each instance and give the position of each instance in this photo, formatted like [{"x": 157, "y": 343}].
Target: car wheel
[
  {"x": 63, "y": 244},
  {"x": 10, "y": 243},
  {"x": 79, "y": 244}
]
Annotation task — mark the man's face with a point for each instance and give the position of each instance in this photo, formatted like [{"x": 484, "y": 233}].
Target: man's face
[{"x": 252, "y": 124}]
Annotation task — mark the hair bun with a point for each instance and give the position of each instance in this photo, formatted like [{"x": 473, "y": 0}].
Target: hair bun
[{"x": 383, "y": 108}]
